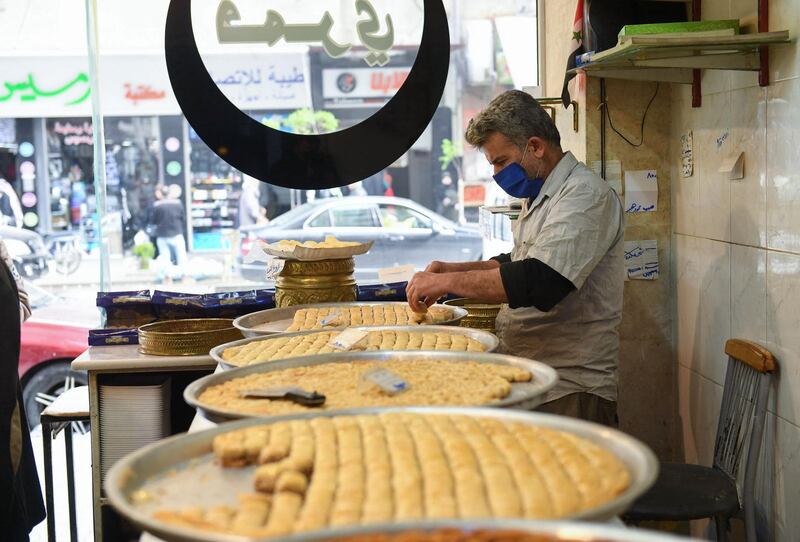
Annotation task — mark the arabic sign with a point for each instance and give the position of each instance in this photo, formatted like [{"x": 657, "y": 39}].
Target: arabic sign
[
  {"x": 362, "y": 85},
  {"x": 74, "y": 133},
  {"x": 139, "y": 84},
  {"x": 72, "y": 92},
  {"x": 262, "y": 82},
  {"x": 141, "y": 93},
  {"x": 275, "y": 29}
]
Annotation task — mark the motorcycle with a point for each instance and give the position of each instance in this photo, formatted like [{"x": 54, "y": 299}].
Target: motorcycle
[
  {"x": 33, "y": 253},
  {"x": 65, "y": 251}
]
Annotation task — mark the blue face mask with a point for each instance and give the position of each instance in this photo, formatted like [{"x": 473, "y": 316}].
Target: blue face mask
[{"x": 515, "y": 182}]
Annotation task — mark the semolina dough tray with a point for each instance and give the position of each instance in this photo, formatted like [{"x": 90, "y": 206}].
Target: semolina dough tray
[
  {"x": 180, "y": 471},
  {"x": 524, "y": 395}
]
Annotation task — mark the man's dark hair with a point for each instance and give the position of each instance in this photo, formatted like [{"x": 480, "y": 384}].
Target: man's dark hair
[{"x": 518, "y": 116}]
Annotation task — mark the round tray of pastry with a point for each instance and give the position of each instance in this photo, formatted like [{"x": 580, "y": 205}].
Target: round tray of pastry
[
  {"x": 486, "y": 530},
  {"x": 367, "y": 339},
  {"x": 340, "y": 315},
  {"x": 306, "y": 473},
  {"x": 309, "y": 251},
  {"x": 371, "y": 379}
]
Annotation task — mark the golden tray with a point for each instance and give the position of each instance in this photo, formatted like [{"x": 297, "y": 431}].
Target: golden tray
[
  {"x": 479, "y": 315},
  {"x": 194, "y": 337}
]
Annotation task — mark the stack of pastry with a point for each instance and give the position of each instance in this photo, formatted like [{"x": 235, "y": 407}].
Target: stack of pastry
[
  {"x": 272, "y": 349},
  {"x": 397, "y": 314},
  {"x": 354, "y": 470},
  {"x": 329, "y": 242},
  {"x": 430, "y": 382}
]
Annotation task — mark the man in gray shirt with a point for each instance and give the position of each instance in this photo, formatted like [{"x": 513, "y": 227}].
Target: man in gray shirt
[{"x": 562, "y": 284}]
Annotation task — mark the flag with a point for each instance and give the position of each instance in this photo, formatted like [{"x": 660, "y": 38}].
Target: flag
[{"x": 576, "y": 48}]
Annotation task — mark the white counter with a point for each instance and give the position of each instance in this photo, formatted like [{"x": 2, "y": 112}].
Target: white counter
[{"x": 128, "y": 358}]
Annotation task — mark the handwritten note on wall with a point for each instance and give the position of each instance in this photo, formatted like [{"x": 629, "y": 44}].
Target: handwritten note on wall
[
  {"x": 687, "y": 154},
  {"x": 641, "y": 260},
  {"x": 641, "y": 191}
]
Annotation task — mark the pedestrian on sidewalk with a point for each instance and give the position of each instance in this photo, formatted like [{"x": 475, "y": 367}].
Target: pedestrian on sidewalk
[
  {"x": 250, "y": 210},
  {"x": 169, "y": 218}
]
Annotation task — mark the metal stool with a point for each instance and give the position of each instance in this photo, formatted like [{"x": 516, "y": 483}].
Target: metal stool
[
  {"x": 71, "y": 406},
  {"x": 686, "y": 492}
]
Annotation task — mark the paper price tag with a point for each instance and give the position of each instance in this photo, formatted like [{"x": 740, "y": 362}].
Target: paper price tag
[
  {"x": 274, "y": 268},
  {"x": 347, "y": 339},
  {"x": 330, "y": 319},
  {"x": 386, "y": 380},
  {"x": 402, "y": 273}
]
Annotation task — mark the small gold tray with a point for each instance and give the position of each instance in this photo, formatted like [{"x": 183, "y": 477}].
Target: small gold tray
[
  {"x": 479, "y": 315},
  {"x": 194, "y": 337}
]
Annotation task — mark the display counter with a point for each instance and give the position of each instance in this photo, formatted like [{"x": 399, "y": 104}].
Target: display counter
[{"x": 147, "y": 393}]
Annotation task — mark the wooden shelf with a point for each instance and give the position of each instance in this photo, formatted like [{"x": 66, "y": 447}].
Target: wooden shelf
[{"x": 672, "y": 59}]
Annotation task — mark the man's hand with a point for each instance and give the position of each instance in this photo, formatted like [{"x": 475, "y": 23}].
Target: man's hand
[{"x": 424, "y": 289}]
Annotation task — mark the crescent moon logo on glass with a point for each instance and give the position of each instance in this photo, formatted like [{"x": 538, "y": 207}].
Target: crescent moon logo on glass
[{"x": 307, "y": 161}]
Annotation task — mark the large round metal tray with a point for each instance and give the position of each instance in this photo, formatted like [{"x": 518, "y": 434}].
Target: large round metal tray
[
  {"x": 488, "y": 340},
  {"x": 271, "y": 321},
  {"x": 193, "y": 337},
  {"x": 179, "y": 472},
  {"x": 524, "y": 395},
  {"x": 566, "y": 531}
]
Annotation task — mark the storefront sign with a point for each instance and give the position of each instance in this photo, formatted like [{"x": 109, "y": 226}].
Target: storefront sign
[
  {"x": 304, "y": 161},
  {"x": 138, "y": 85},
  {"x": 362, "y": 85},
  {"x": 474, "y": 194}
]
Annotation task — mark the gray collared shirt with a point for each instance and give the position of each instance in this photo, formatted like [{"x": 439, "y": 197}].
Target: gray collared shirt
[{"x": 576, "y": 226}]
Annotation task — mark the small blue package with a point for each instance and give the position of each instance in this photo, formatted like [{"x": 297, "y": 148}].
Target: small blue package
[
  {"x": 395, "y": 291},
  {"x": 125, "y": 310},
  {"x": 113, "y": 337},
  {"x": 176, "y": 306}
]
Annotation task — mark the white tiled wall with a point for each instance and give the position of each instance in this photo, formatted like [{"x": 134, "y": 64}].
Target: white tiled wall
[{"x": 736, "y": 257}]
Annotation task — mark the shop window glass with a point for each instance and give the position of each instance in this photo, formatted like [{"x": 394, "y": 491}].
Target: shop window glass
[
  {"x": 321, "y": 221},
  {"x": 152, "y": 153},
  {"x": 355, "y": 217},
  {"x": 398, "y": 216}
]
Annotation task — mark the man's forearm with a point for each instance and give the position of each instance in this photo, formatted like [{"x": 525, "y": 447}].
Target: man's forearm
[
  {"x": 471, "y": 266},
  {"x": 484, "y": 285}
]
